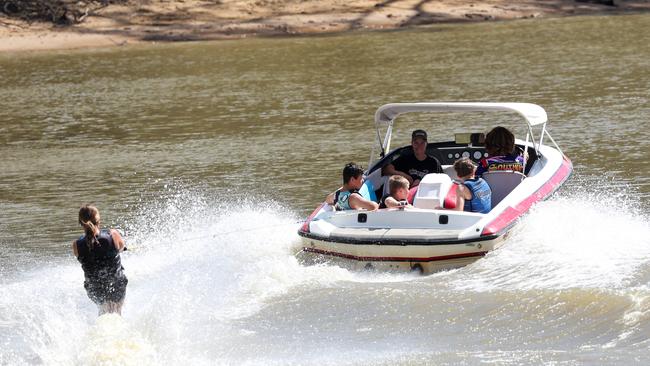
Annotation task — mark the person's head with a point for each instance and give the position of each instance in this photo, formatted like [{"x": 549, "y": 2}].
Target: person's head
[
  {"x": 465, "y": 168},
  {"x": 399, "y": 187},
  {"x": 353, "y": 175},
  {"x": 89, "y": 220},
  {"x": 419, "y": 142},
  {"x": 499, "y": 141}
]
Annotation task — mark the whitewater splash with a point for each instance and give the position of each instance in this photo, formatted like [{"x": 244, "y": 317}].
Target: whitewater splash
[
  {"x": 581, "y": 239},
  {"x": 201, "y": 273},
  {"x": 111, "y": 341},
  {"x": 583, "y": 254},
  {"x": 193, "y": 267}
]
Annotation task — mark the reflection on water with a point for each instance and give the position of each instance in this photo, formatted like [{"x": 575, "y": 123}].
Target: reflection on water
[{"x": 181, "y": 144}]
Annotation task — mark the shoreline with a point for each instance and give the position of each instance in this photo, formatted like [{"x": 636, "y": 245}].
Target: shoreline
[{"x": 198, "y": 20}]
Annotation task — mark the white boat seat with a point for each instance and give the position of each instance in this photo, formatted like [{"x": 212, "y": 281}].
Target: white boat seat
[{"x": 502, "y": 183}]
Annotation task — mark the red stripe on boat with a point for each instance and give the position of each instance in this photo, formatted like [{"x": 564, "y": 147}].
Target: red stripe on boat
[
  {"x": 510, "y": 214},
  {"x": 305, "y": 227},
  {"x": 395, "y": 259}
]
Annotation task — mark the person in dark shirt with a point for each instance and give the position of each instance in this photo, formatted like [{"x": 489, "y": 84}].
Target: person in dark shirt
[
  {"x": 416, "y": 165},
  {"x": 98, "y": 251}
]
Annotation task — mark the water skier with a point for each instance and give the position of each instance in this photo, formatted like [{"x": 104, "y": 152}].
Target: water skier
[{"x": 98, "y": 251}]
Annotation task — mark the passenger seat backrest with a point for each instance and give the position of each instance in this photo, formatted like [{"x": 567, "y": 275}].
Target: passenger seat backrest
[
  {"x": 376, "y": 179},
  {"x": 502, "y": 183},
  {"x": 450, "y": 171}
]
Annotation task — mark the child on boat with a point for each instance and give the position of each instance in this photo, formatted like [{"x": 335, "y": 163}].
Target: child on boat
[
  {"x": 347, "y": 197},
  {"x": 399, "y": 190},
  {"x": 474, "y": 194}
]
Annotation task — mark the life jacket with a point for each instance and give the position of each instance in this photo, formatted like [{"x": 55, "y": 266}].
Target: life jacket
[
  {"x": 102, "y": 262},
  {"x": 481, "y": 196},
  {"x": 501, "y": 163},
  {"x": 382, "y": 202},
  {"x": 342, "y": 199}
]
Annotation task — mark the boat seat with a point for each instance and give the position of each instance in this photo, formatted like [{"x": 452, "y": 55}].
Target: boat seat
[
  {"x": 502, "y": 183},
  {"x": 379, "y": 183},
  {"x": 450, "y": 171}
]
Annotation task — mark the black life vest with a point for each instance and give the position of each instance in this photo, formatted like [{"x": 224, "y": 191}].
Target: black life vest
[
  {"x": 382, "y": 202},
  {"x": 338, "y": 205},
  {"x": 102, "y": 262}
]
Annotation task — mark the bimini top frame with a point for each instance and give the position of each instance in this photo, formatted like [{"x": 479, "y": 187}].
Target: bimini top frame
[{"x": 533, "y": 114}]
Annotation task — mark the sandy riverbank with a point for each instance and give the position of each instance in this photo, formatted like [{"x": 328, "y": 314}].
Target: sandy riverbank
[{"x": 189, "y": 20}]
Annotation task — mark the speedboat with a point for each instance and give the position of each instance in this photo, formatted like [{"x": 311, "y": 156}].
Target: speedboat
[{"x": 427, "y": 237}]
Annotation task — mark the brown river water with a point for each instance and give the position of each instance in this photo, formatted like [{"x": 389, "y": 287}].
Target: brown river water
[{"x": 208, "y": 155}]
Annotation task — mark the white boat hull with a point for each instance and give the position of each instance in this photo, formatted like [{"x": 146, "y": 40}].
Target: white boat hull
[
  {"x": 425, "y": 238},
  {"x": 403, "y": 258}
]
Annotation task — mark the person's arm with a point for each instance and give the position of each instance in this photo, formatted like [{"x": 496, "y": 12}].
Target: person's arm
[
  {"x": 358, "y": 202},
  {"x": 462, "y": 195},
  {"x": 391, "y": 202},
  {"x": 524, "y": 156},
  {"x": 118, "y": 241},
  {"x": 520, "y": 159},
  {"x": 330, "y": 197},
  {"x": 74, "y": 249},
  {"x": 438, "y": 165},
  {"x": 390, "y": 170}
]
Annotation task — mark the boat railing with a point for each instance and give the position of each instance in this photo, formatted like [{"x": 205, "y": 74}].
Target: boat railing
[
  {"x": 538, "y": 144},
  {"x": 555, "y": 143}
]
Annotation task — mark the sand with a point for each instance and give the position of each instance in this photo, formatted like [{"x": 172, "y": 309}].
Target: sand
[{"x": 192, "y": 20}]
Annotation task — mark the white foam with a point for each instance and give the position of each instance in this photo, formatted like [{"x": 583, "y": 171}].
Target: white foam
[
  {"x": 111, "y": 341},
  {"x": 199, "y": 271},
  {"x": 576, "y": 241}
]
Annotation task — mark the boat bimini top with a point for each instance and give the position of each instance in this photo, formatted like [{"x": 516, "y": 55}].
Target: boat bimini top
[{"x": 533, "y": 114}]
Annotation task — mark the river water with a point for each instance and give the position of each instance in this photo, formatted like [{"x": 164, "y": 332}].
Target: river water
[{"x": 208, "y": 155}]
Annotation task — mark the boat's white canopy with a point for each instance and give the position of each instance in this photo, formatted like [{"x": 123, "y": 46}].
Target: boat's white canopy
[{"x": 532, "y": 113}]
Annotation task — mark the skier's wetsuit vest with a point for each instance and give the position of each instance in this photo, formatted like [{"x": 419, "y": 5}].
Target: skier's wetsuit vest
[
  {"x": 342, "y": 199},
  {"x": 103, "y": 271},
  {"x": 481, "y": 196}
]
